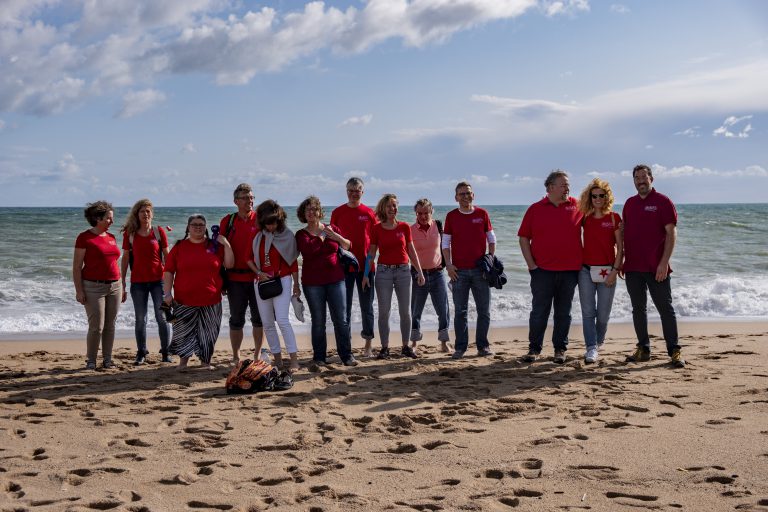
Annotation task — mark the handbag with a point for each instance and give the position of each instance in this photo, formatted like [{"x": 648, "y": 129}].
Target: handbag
[
  {"x": 270, "y": 288},
  {"x": 599, "y": 273}
]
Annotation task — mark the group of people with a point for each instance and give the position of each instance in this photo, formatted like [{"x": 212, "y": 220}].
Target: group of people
[{"x": 251, "y": 257}]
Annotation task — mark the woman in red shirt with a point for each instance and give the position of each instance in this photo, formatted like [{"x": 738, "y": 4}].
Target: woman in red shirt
[
  {"x": 393, "y": 240},
  {"x": 192, "y": 278},
  {"x": 274, "y": 256},
  {"x": 147, "y": 248},
  {"x": 601, "y": 260},
  {"x": 322, "y": 277},
  {"x": 97, "y": 281}
]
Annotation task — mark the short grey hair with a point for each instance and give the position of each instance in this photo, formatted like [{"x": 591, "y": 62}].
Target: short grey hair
[
  {"x": 557, "y": 173},
  {"x": 355, "y": 182},
  {"x": 420, "y": 203}
]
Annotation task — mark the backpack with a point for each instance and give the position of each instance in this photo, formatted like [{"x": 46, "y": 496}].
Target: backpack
[
  {"x": 258, "y": 375},
  {"x": 222, "y": 270},
  {"x": 440, "y": 230},
  {"x": 156, "y": 231}
]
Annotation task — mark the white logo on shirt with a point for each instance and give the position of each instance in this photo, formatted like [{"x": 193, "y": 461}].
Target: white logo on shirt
[
  {"x": 607, "y": 224},
  {"x": 363, "y": 218},
  {"x": 570, "y": 208},
  {"x": 650, "y": 208},
  {"x": 477, "y": 221}
]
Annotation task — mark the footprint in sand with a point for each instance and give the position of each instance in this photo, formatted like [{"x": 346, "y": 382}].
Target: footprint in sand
[
  {"x": 215, "y": 506},
  {"x": 39, "y": 454},
  {"x": 14, "y": 490}
]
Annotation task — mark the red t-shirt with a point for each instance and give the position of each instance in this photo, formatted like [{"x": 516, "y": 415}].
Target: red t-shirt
[
  {"x": 644, "y": 233},
  {"x": 356, "y": 224},
  {"x": 241, "y": 239},
  {"x": 468, "y": 236},
  {"x": 101, "y": 255},
  {"x": 197, "y": 281},
  {"x": 600, "y": 239},
  {"x": 555, "y": 234},
  {"x": 392, "y": 243},
  {"x": 319, "y": 259},
  {"x": 147, "y": 263},
  {"x": 277, "y": 265}
]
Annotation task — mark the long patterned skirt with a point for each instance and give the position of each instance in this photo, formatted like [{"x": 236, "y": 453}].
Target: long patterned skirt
[{"x": 195, "y": 331}]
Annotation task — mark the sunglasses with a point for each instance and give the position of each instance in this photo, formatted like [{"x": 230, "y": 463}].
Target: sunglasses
[{"x": 595, "y": 196}]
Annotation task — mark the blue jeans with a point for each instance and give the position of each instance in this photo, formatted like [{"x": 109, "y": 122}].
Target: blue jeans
[
  {"x": 140, "y": 293},
  {"x": 551, "y": 287},
  {"x": 594, "y": 314},
  {"x": 334, "y": 295},
  {"x": 471, "y": 279},
  {"x": 366, "y": 301},
  {"x": 661, "y": 295},
  {"x": 436, "y": 288}
]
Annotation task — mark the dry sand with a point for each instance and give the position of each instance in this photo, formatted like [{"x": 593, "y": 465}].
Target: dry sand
[{"x": 426, "y": 434}]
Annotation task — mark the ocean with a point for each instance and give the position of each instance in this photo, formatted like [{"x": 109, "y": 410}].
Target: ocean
[{"x": 720, "y": 268}]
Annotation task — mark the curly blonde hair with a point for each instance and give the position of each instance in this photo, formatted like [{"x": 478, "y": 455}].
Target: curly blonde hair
[
  {"x": 585, "y": 201},
  {"x": 132, "y": 223}
]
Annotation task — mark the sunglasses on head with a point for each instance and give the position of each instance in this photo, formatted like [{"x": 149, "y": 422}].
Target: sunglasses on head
[{"x": 595, "y": 196}]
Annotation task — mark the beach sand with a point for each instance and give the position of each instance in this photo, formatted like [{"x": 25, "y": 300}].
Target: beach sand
[{"x": 427, "y": 434}]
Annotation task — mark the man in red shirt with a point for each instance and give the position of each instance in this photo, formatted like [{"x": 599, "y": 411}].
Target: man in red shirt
[
  {"x": 240, "y": 229},
  {"x": 550, "y": 240},
  {"x": 467, "y": 230},
  {"x": 650, "y": 231},
  {"x": 356, "y": 221}
]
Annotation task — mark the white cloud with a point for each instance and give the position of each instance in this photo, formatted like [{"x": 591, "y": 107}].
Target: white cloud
[
  {"x": 479, "y": 178},
  {"x": 358, "y": 120},
  {"x": 188, "y": 148},
  {"x": 692, "y": 132},
  {"x": 730, "y": 122},
  {"x": 355, "y": 174},
  {"x": 523, "y": 108},
  {"x": 620, "y": 9},
  {"x": 685, "y": 171},
  {"x": 109, "y": 47},
  {"x": 136, "y": 102}
]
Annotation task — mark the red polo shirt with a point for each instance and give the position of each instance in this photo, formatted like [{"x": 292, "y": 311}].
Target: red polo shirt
[
  {"x": 555, "y": 234},
  {"x": 644, "y": 233},
  {"x": 468, "y": 236}
]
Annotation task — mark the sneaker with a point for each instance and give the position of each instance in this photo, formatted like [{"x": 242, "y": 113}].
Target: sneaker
[
  {"x": 351, "y": 361},
  {"x": 677, "y": 359},
  {"x": 141, "y": 358},
  {"x": 416, "y": 335},
  {"x": 639, "y": 355},
  {"x": 167, "y": 358},
  {"x": 108, "y": 365},
  {"x": 458, "y": 354},
  {"x": 90, "y": 365},
  {"x": 530, "y": 357},
  {"x": 383, "y": 353},
  {"x": 559, "y": 357},
  {"x": 408, "y": 352},
  {"x": 591, "y": 356},
  {"x": 484, "y": 352}
]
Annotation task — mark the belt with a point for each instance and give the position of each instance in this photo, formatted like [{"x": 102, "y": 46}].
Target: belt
[
  {"x": 431, "y": 270},
  {"x": 401, "y": 265},
  {"x": 102, "y": 281}
]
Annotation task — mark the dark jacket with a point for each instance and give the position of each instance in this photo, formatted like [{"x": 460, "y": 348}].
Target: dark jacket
[{"x": 493, "y": 270}]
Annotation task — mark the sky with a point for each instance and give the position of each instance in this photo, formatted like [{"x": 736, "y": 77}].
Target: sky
[{"x": 181, "y": 100}]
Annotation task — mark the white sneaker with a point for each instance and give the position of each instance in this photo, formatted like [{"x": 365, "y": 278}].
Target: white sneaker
[{"x": 591, "y": 356}]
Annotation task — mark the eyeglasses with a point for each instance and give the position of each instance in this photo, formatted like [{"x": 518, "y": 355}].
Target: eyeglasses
[
  {"x": 595, "y": 196},
  {"x": 196, "y": 225},
  {"x": 354, "y": 191},
  {"x": 246, "y": 198}
]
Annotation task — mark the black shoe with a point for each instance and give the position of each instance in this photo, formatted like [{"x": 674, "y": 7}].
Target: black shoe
[
  {"x": 383, "y": 353},
  {"x": 141, "y": 358},
  {"x": 351, "y": 361},
  {"x": 484, "y": 352},
  {"x": 167, "y": 358},
  {"x": 640, "y": 355},
  {"x": 408, "y": 352},
  {"x": 559, "y": 357},
  {"x": 530, "y": 357}
]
